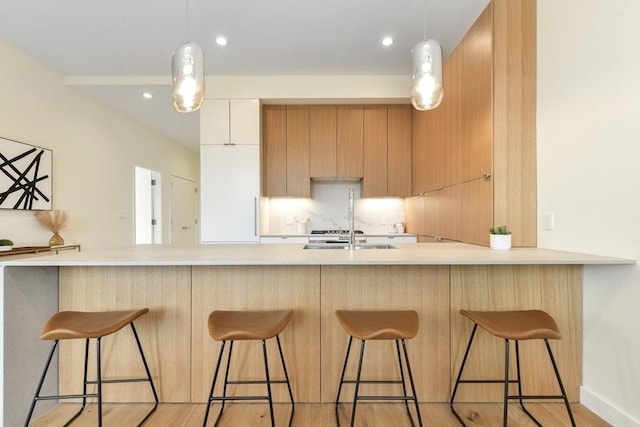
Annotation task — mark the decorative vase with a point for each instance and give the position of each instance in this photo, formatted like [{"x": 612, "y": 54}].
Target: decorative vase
[
  {"x": 56, "y": 240},
  {"x": 500, "y": 242}
]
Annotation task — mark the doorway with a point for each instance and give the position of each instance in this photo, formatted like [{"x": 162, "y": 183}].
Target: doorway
[
  {"x": 148, "y": 206},
  {"x": 184, "y": 211}
]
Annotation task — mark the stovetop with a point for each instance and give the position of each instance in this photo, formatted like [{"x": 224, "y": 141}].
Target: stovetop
[{"x": 335, "y": 232}]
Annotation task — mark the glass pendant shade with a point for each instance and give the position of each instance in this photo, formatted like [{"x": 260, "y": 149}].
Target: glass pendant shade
[
  {"x": 426, "y": 65},
  {"x": 187, "y": 71}
]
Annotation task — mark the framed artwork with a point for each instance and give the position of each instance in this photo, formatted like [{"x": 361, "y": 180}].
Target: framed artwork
[{"x": 25, "y": 176}]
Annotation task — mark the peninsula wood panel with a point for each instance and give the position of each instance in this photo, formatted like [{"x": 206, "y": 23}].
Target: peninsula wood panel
[
  {"x": 375, "y": 151},
  {"x": 274, "y": 140},
  {"x": 322, "y": 141},
  {"x": 556, "y": 289},
  {"x": 399, "y": 150},
  {"x": 294, "y": 288},
  {"x": 514, "y": 118},
  {"x": 164, "y": 332},
  {"x": 298, "y": 178},
  {"x": 424, "y": 289},
  {"x": 350, "y": 141}
]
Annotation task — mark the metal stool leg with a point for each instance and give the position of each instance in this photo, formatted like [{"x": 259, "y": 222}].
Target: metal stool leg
[
  {"x": 344, "y": 368},
  {"x": 213, "y": 385},
  {"x": 146, "y": 368},
  {"x": 41, "y": 382},
  {"x": 458, "y": 379},
  {"x": 268, "y": 382},
  {"x": 564, "y": 394},
  {"x": 519, "y": 382},
  {"x": 413, "y": 387},
  {"x": 99, "y": 381},
  {"x": 404, "y": 388},
  {"x": 355, "y": 394},
  {"x": 286, "y": 376},
  {"x": 505, "y": 409}
]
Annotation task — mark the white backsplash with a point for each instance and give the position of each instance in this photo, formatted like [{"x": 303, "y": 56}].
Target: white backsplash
[{"x": 327, "y": 209}]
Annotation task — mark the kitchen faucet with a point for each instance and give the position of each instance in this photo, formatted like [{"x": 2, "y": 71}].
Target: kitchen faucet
[{"x": 352, "y": 238}]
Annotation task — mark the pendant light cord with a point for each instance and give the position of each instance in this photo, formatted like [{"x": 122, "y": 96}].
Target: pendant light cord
[
  {"x": 186, "y": 21},
  {"x": 425, "y": 20}
]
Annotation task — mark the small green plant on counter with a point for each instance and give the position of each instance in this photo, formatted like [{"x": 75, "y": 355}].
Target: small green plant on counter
[
  {"x": 6, "y": 242},
  {"x": 499, "y": 230}
]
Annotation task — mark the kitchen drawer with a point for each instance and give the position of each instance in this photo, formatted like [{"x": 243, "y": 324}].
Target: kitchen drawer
[
  {"x": 284, "y": 239},
  {"x": 392, "y": 239}
]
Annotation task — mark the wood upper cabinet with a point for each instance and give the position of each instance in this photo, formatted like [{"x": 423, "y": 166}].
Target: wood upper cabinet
[
  {"x": 350, "y": 141},
  {"x": 322, "y": 141},
  {"x": 387, "y": 151},
  {"x": 285, "y": 138},
  {"x": 298, "y": 178}
]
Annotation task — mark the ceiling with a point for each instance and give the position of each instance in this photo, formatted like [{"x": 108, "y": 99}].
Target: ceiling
[{"x": 115, "y": 50}]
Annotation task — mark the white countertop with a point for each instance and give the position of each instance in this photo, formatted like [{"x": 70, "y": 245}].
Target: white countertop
[{"x": 293, "y": 254}]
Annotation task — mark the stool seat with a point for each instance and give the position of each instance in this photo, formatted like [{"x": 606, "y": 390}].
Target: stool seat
[
  {"x": 80, "y": 324},
  {"x": 247, "y": 325},
  {"x": 516, "y": 325},
  {"x": 379, "y": 324}
]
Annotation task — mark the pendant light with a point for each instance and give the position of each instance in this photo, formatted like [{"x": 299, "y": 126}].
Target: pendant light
[
  {"x": 187, "y": 75},
  {"x": 427, "y": 89}
]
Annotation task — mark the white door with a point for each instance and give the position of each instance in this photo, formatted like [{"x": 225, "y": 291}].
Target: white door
[
  {"x": 184, "y": 211},
  {"x": 148, "y": 206}
]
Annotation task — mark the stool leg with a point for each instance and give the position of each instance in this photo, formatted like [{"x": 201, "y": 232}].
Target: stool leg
[
  {"x": 564, "y": 394},
  {"x": 286, "y": 376},
  {"x": 413, "y": 387},
  {"x": 266, "y": 373},
  {"x": 99, "y": 381},
  {"x": 213, "y": 384},
  {"x": 355, "y": 394},
  {"x": 464, "y": 362},
  {"x": 505, "y": 409},
  {"x": 226, "y": 377},
  {"x": 146, "y": 368},
  {"x": 404, "y": 388},
  {"x": 41, "y": 382},
  {"x": 344, "y": 368},
  {"x": 519, "y": 383}
]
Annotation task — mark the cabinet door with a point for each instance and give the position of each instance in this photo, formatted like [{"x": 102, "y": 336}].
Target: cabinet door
[
  {"x": 350, "y": 141},
  {"x": 298, "y": 178},
  {"x": 230, "y": 182},
  {"x": 322, "y": 141},
  {"x": 244, "y": 119},
  {"x": 230, "y": 121},
  {"x": 374, "y": 183},
  {"x": 399, "y": 150},
  {"x": 274, "y": 140}
]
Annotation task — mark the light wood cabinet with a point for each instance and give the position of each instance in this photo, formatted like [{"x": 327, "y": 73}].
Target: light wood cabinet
[
  {"x": 286, "y": 151},
  {"x": 480, "y": 143},
  {"x": 350, "y": 141},
  {"x": 374, "y": 183},
  {"x": 322, "y": 141}
]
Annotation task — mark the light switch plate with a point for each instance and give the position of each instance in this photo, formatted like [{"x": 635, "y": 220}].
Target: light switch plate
[{"x": 549, "y": 221}]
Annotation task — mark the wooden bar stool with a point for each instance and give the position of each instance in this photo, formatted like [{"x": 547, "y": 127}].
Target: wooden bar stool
[
  {"x": 67, "y": 325},
  {"x": 379, "y": 325},
  {"x": 515, "y": 326},
  {"x": 241, "y": 326}
]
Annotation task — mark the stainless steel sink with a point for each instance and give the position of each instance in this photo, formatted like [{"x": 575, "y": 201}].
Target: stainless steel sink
[{"x": 345, "y": 246}]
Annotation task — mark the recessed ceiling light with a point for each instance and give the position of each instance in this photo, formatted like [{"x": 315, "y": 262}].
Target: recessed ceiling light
[
  {"x": 221, "y": 41},
  {"x": 387, "y": 41},
  {"x": 147, "y": 95}
]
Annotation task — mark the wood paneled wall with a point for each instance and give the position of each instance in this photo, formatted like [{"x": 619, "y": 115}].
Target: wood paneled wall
[{"x": 474, "y": 156}]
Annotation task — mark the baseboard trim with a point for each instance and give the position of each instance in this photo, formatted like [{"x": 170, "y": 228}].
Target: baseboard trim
[{"x": 606, "y": 410}]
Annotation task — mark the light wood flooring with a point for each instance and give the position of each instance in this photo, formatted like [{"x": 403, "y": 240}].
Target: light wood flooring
[{"x": 322, "y": 415}]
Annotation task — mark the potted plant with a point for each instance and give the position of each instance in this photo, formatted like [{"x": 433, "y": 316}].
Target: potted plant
[
  {"x": 500, "y": 238},
  {"x": 6, "y": 245}
]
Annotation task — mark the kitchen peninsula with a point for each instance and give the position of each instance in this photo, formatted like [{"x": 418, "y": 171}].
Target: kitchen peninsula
[{"x": 181, "y": 286}]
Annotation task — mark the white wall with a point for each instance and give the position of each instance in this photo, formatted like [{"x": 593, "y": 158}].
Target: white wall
[
  {"x": 589, "y": 177},
  {"x": 94, "y": 153}
]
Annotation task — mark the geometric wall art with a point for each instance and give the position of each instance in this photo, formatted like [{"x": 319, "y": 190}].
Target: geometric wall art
[{"x": 25, "y": 176}]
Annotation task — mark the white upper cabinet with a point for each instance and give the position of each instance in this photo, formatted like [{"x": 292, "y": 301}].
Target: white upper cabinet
[{"x": 230, "y": 122}]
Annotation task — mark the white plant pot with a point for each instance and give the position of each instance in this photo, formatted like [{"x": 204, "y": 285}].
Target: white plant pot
[
  {"x": 6, "y": 248},
  {"x": 302, "y": 228},
  {"x": 500, "y": 242}
]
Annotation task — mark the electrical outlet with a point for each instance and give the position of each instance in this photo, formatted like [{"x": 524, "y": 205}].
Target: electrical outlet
[
  {"x": 383, "y": 220},
  {"x": 549, "y": 221},
  {"x": 290, "y": 220}
]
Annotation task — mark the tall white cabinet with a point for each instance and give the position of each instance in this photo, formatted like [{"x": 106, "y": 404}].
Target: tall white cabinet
[{"x": 230, "y": 170}]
